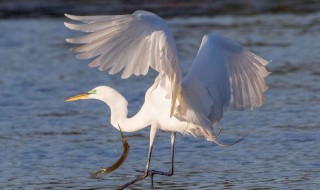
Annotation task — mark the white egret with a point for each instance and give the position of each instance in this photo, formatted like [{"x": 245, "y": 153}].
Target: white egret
[{"x": 223, "y": 76}]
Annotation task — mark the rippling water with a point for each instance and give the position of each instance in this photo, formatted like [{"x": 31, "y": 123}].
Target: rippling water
[{"x": 46, "y": 143}]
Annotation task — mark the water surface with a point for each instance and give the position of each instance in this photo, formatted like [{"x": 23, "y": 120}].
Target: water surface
[{"x": 46, "y": 143}]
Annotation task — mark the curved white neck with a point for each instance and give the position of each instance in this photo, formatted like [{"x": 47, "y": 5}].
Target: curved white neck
[{"x": 119, "y": 114}]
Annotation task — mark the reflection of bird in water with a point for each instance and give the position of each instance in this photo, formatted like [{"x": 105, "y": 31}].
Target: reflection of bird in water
[{"x": 223, "y": 76}]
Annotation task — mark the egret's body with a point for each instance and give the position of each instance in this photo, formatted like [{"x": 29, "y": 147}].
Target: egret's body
[
  {"x": 223, "y": 76},
  {"x": 155, "y": 111}
]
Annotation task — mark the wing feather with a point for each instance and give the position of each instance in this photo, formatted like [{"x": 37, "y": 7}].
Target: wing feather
[
  {"x": 226, "y": 77},
  {"x": 131, "y": 43}
]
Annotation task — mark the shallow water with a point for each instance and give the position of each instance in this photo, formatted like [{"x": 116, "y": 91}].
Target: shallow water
[{"x": 46, "y": 143}]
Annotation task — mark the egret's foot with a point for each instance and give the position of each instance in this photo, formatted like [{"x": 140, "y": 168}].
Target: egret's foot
[
  {"x": 139, "y": 178},
  {"x": 153, "y": 172},
  {"x": 145, "y": 174},
  {"x": 148, "y": 174}
]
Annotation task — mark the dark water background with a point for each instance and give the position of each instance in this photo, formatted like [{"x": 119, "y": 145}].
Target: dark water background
[{"x": 46, "y": 143}]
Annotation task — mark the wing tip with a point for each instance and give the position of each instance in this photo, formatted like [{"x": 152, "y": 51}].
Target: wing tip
[
  {"x": 69, "y": 25},
  {"x": 72, "y": 17},
  {"x": 69, "y": 40},
  {"x": 124, "y": 76},
  {"x": 101, "y": 69},
  {"x": 67, "y": 15}
]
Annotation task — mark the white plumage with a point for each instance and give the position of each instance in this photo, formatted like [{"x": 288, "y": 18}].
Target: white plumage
[
  {"x": 223, "y": 75},
  {"x": 130, "y": 42}
]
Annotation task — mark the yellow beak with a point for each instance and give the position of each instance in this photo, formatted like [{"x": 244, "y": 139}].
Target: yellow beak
[{"x": 77, "y": 97}]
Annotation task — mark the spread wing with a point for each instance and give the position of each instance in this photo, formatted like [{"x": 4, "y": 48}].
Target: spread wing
[
  {"x": 223, "y": 75},
  {"x": 130, "y": 42}
]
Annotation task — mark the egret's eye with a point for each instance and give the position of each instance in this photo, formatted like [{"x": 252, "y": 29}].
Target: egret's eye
[{"x": 92, "y": 92}]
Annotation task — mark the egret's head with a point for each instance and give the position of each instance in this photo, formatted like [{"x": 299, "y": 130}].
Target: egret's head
[{"x": 99, "y": 93}]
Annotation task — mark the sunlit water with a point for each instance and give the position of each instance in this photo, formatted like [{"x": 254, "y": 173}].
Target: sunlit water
[{"x": 46, "y": 143}]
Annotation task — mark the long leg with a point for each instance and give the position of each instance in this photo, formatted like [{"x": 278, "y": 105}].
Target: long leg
[
  {"x": 170, "y": 173},
  {"x": 153, "y": 132}
]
